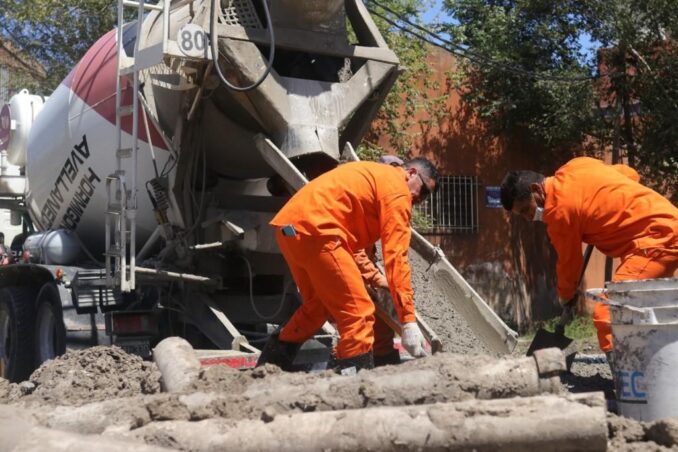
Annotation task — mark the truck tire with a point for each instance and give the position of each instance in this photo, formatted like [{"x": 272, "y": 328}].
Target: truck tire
[
  {"x": 50, "y": 332},
  {"x": 16, "y": 333}
]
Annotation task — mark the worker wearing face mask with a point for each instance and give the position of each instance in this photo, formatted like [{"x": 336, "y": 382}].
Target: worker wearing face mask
[{"x": 605, "y": 206}]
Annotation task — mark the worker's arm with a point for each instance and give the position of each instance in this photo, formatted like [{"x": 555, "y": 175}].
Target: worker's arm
[
  {"x": 395, "y": 214},
  {"x": 566, "y": 239},
  {"x": 371, "y": 274}
]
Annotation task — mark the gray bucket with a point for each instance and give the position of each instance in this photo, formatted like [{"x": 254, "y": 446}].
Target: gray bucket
[{"x": 645, "y": 340}]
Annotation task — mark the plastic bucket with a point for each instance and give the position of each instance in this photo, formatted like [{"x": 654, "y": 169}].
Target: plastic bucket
[{"x": 645, "y": 339}]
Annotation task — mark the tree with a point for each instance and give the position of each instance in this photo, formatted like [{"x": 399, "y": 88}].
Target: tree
[
  {"x": 657, "y": 139},
  {"x": 641, "y": 37},
  {"x": 55, "y": 33},
  {"x": 527, "y": 72},
  {"x": 521, "y": 53},
  {"x": 411, "y": 93}
]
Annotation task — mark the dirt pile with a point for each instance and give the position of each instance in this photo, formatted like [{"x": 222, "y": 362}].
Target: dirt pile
[
  {"x": 105, "y": 391},
  {"x": 626, "y": 435},
  {"x": 85, "y": 376}
]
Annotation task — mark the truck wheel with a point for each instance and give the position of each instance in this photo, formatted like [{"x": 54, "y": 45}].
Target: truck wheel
[
  {"x": 16, "y": 333},
  {"x": 50, "y": 333}
]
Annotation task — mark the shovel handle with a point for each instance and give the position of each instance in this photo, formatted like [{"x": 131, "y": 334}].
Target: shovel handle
[{"x": 560, "y": 329}]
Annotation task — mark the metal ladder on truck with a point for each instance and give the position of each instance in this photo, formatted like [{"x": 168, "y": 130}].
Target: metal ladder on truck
[{"x": 121, "y": 186}]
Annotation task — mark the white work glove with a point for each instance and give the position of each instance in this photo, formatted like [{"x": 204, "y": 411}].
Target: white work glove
[{"x": 413, "y": 340}]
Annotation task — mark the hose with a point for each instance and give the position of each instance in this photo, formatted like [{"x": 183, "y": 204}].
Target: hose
[
  {"x": 254, "y": 307},
  {"x": 214, "y": 38},
  {"x": 148, "y": 137},
  {"x": 202, "y": 153}
]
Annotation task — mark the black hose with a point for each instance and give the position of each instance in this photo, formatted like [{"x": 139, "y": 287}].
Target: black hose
[{"x": 214, "y": 38}]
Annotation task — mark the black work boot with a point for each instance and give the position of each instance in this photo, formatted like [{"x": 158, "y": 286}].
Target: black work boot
[
  {"x": 390, "y": 358},
  {"x": 359, "y": 362},
  {"x": 278, "y": 352}
]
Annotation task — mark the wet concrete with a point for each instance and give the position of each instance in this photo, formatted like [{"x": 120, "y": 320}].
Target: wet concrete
[{"x": 434, "y": 307}]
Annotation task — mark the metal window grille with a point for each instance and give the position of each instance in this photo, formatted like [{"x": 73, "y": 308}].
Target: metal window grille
[
  {"x": 453, "y": 208},
  {"x": 240, "y": 12},
  {"x": 12, "y": 81},
  {"x": 5, "y": 93}
]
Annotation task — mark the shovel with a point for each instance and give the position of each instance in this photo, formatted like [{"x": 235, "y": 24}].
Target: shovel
[
  {"x": 384, "y": 310},
  {"x": 546, "y": 339}
]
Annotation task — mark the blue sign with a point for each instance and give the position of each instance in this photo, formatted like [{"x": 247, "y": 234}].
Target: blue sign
[{"x": 493, "y": 197}]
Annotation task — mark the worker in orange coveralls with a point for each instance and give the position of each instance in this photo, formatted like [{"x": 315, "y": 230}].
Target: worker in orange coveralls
[
  {"x": 375, "y": 281},
  {"x": 383, "y": 350},
  {"x": 344, "y": 210},
  {"x": 605, "y": 206}
]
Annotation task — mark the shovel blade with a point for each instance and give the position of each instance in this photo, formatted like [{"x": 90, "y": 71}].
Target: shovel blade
[{"x": 547, "y": 339}]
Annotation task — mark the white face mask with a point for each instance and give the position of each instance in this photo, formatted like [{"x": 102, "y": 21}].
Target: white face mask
[{"x": 538, "y": 214}]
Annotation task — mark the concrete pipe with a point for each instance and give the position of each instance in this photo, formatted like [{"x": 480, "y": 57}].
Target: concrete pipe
[
  {"x": 177, "y": 362},
  {"x": 572, "y": 423}
]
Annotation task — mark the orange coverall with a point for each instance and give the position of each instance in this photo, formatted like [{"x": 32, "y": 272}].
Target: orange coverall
[
  {"x": 589, "y": 201},
  {"x": 340, "y": 212}
]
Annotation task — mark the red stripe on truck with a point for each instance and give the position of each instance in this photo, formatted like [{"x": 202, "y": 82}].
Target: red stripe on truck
[{"x": 93, "y": 81}]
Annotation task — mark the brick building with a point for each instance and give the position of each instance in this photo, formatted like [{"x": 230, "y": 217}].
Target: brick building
[
  {"x": 16, "y": 71},
  {"x": 508, "y": 261}
]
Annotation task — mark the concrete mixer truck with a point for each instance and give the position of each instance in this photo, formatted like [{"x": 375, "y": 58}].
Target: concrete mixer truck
[{"x": 145, "y": 182}]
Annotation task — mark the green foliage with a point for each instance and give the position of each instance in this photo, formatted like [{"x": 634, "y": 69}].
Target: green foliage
[
  {"x": 55, "y": 33},
  {"x": 581, "y": 328},
  {"x": 411, "y": 98},
  {"x": 369, "y": 151},
  {"x": 529, "y": 37},
  {"x": 642, "y": 37},
  {"x": 511, "y": 39},
  {"x": 658, "y": 137},
  {"x": 420, "y": 221},
  {"x": 23, "y": 78}
]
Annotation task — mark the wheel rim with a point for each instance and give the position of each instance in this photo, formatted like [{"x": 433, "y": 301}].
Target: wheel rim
[
  {"x": 46, "y": 324},
  {"x": 5, "y": 340}
]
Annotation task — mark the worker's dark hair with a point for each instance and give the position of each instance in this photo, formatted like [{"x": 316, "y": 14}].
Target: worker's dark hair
[
  {"x": 516, "y": 186},
  {"x": 425, "y": 167}
]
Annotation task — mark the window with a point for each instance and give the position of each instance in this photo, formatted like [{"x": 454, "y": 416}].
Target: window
[
  {"x": 4, "y": 85},
  {"x": 452, "y": 209}
]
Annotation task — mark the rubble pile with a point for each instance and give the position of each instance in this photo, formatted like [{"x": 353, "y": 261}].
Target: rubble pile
[
  {"x": 447, "y": 401},
  {"x": 104, "y": 399}
]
